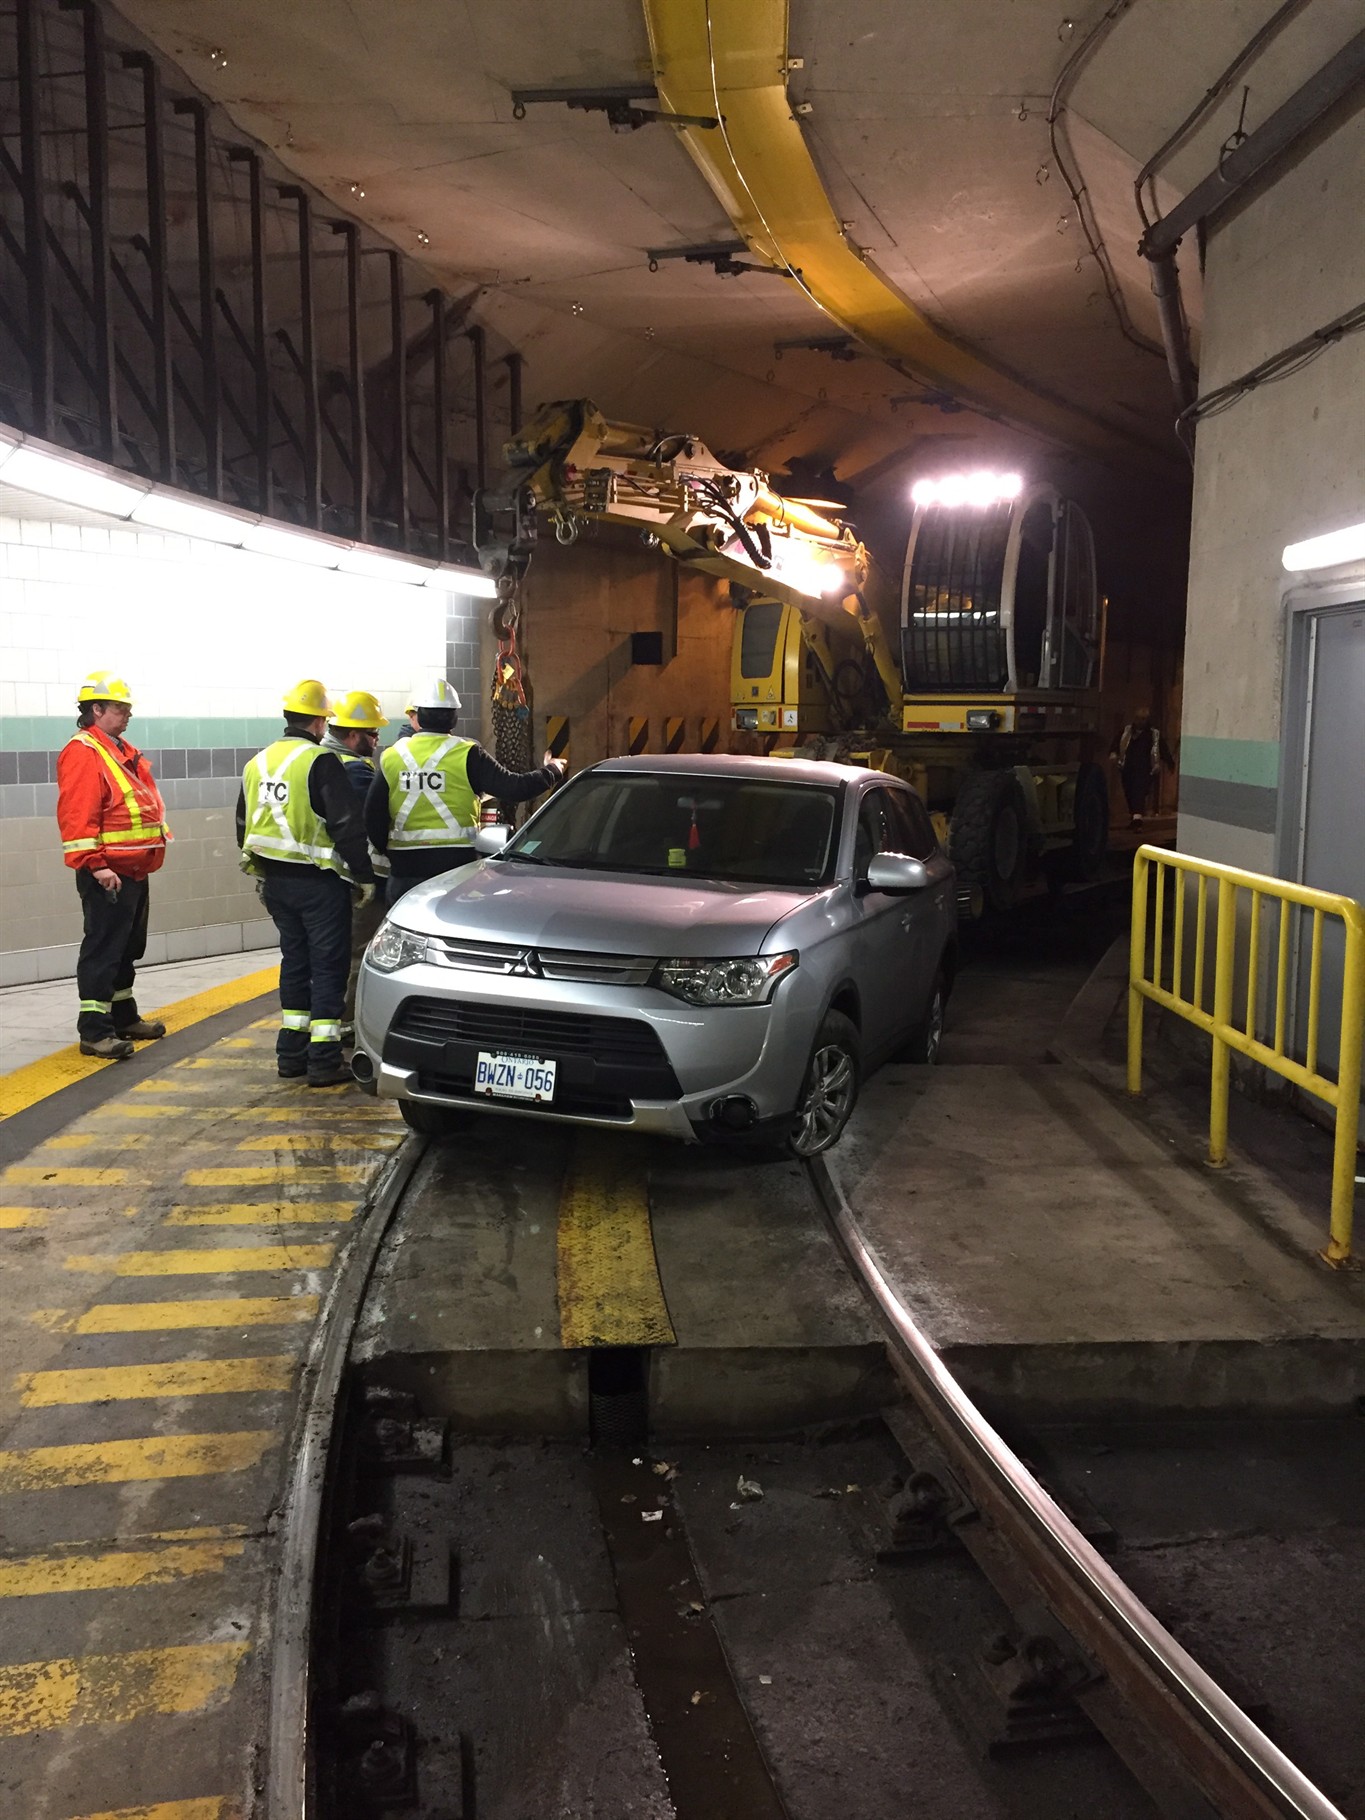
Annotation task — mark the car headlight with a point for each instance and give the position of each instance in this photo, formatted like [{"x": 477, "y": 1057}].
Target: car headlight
[
  {"x": 747, "y": 980},
  {"x": 393, "y": 948}
]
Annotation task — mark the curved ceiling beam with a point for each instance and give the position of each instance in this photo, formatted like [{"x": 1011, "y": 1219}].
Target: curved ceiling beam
[{"x": 728, "y": 58}]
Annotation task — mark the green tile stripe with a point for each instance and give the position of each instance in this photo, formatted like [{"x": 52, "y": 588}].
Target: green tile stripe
[
  {"x": 1231, "y": 761},
  {"x": 46, "y": 732}
]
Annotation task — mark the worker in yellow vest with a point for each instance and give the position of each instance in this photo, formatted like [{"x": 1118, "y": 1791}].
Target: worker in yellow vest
[
  {"x": 423, "y": 807},
  {"x": 114, "y": 834},
  {"x": 300, "y": 831},
  {"x": 353, "y": 734}
]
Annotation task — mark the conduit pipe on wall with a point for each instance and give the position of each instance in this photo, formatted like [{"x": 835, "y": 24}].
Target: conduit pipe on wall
[{"x": 1257, "y": 152}]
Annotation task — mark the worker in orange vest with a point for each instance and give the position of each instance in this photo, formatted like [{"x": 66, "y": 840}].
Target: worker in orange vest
[{"x": 114, "y": 834}]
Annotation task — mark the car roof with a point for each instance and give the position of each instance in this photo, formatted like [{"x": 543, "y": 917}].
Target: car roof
[{"x": 770, "y": 770}]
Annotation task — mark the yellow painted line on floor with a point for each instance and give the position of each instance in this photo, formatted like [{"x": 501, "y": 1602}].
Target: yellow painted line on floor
[
  {"x": 113, "y": 1690},
  {"x": 609, "y": 1288},
  {"x": 103, "y": 1140},
  {"x": 59, "y": 1175},
  {"x": 207, "y": 1807},
  {"x": 193, "y": 1262},
  {"x": 212, "y": 1060},
  {"x": 24, "y": 1087},
  {"x": 12, "y": 1217},
  {"x": 295, "y": 1143},
  {"x": 128, "y": 1462},
  {"x": 283, "y": 1175},
  {"x": 123, "y": 1383},
  {"x": 175, "y": 1317},
  {"x": 169, "y": 1082},
  {"x": 31, "y": 1576},
  {"x": 265, "y": 1213},
  {"x": 300, "y": 1114}
]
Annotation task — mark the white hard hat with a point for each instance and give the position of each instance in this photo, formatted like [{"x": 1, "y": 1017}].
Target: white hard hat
[{"x": 433, "y": 692}]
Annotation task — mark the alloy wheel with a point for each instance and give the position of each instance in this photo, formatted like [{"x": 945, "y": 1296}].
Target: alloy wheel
[{"x": 831, "y": 1089}]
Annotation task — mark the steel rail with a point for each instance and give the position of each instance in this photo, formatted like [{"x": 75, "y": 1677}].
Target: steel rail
[
  {"x": 1125, "y": 1637},
  {"x": 287, "y": 1782}
]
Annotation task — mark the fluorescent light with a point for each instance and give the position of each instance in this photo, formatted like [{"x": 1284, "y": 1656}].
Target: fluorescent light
[
  {"x": 1325, "y": 551},
  {"x": 472, "y": 582},
  {"x": 982, "y": 488},
  {"x": 294, "y": 546},
  {"x": 380, "y": 565},
  {"x": 192, "y": 518},
  {"x": 72, "y": 482}
]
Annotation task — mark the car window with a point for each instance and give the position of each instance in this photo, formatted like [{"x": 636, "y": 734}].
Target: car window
[
  {"x": 909, "y": 829},
  {"x": 754, "y": 830},
  {"x": 872, "y": 830}
]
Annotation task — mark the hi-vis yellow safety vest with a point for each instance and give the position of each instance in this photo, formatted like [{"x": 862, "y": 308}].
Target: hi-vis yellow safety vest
[
  {"x": 431, "y": 803},
  {"x": 281, "y": 822}
]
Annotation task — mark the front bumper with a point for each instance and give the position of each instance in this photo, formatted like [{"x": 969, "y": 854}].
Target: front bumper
[{"x": 629, "y": 1058}]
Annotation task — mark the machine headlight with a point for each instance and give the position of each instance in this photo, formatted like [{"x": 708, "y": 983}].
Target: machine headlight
[
  {"x": 393, "y": 948},
  {"x": 747, "y": 980}
]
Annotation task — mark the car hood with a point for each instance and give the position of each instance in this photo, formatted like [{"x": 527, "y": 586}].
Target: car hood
[{"x": 596, "y": 912}]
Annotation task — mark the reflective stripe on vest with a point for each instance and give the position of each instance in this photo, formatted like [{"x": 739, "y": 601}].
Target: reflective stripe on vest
[
  {"x": 281, "y": 822},
  {"x": 138, "y": 833},
  {"x": 431, "y": 803}
]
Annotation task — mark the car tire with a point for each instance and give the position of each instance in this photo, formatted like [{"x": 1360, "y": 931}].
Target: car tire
[
  {"x": 430, "y": 1121},
  {"x": 829, "y": 1091},
  {"x": 988, "y": 838},
  {"x": 1090, "y": 823},
  {"x": 922, "y": 1046}
]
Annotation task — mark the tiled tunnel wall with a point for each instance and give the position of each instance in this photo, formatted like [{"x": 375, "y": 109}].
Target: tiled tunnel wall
[{"x": 208, "y": 640}]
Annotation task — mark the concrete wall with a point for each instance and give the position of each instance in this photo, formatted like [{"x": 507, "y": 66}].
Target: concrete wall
[
  {"x": 208, "y": 640},
  {"x": 1285, "y": 462}
]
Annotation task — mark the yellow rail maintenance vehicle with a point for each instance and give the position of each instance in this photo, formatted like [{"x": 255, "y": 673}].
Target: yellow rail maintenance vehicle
[{"x": 977, "y": 678}]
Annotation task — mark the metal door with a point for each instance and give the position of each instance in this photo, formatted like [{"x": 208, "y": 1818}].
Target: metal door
[
  {"x": 1332, "y": 851},
  {"x": 884, "y": 942}
]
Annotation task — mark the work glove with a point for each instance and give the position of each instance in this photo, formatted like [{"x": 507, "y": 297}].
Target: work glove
[
  {"x": 260, "y": 889},
  {"x": 364, "y": 894}
]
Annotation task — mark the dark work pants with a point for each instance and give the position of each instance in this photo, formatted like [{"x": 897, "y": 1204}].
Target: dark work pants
[
  {"x": 313, "y": 915},
  {"x": 114, "y": 941}
]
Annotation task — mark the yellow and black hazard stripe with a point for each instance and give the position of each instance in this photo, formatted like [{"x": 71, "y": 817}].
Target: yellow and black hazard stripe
[
  {"x": 710, "y": 735},
  {"x": 637, "y": 740},
  {"x": 557, "y": 736},
  {"x": 674, "y": 729}
]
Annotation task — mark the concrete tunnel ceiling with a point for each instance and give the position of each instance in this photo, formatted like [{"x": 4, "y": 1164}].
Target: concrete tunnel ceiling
[{"x": 927, "y": 128}]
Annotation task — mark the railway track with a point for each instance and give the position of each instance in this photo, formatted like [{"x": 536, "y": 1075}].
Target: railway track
[{"x": 1078, "y": 1640}]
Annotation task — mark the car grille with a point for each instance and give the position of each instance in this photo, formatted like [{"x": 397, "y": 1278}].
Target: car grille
[
  {"x": 542, "y": 963},
  {"x": 604, "y": 1062}
]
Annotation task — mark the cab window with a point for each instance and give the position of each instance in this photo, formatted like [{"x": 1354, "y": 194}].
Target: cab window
[{"x": 909, "y": 829}]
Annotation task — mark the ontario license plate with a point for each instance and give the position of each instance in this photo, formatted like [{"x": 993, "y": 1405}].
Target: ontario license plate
[{"x": 514, "y": 1077}]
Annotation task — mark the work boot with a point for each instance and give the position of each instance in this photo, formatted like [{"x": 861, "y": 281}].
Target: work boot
[
  {"x": 294, "y": 1072},
  {"x": 337, "y": 1076},
  {"x": 142, "y": 1031},
  {"x": 107, "y": 1048}
]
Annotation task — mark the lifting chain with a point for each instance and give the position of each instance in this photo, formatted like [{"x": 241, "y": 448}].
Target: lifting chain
[{"x": 511, "y": 710}]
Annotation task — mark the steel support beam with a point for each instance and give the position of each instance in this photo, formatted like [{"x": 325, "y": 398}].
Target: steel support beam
[
  {"x": 478, "y": 343},
  {"x": 265, "y": 487},
  {"x": 154, "y": 152},
  {"x": 516, "y": 366},
  {"x": 441, "y": 463},
  {"x": 360, "y": 452},
  {"x": 29, "y": 77},
  {"x": 95, "y": 74},
  {"x": 308, "y": 355},
  {"x": 399, "y": 381},
  {"x": 208, "y": 286}
]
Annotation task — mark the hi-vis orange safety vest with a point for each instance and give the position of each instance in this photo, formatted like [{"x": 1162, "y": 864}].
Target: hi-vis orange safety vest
[{"x": 109, "y": 809}]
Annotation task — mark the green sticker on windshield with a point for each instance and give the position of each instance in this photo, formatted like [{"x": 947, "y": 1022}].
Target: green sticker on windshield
[{"x": 677, "y": 856}]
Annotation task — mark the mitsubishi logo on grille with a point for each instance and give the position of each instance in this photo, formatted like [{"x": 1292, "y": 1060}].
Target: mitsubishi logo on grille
[{"x": 526, "y": 966}]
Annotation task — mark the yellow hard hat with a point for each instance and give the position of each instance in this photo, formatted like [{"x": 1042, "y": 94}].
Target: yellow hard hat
[
  {"x": 308, "y": 697},
  {"x": 359, "y": 709},
  {"x": 103, "y": 685}
]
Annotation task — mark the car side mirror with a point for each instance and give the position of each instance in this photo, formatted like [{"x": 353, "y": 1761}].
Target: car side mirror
[
  {"x": 492, "y": 839},
  {"x": 896, "y": 872}
]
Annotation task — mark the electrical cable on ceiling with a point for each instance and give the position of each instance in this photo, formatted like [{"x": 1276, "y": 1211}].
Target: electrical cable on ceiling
[
  {"x": 1287, "y": 361},
  {"x": 1075, "y": 183}
]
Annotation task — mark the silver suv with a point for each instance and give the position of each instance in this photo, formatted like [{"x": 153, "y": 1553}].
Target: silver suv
[{"x": 692, "y": 946}]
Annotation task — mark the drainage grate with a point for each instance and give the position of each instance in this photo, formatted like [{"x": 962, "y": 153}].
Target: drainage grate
[{"x": 618, "y": 1396}]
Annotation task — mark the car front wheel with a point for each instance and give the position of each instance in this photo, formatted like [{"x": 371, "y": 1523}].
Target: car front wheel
[
  {"x": 430, "y": 1121},
  {"x": 830, "y": 1090}
]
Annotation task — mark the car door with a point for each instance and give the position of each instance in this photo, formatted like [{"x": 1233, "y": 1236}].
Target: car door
[
  {"x": 925, "y": 914},
  {"x": 883, "y": 943}
]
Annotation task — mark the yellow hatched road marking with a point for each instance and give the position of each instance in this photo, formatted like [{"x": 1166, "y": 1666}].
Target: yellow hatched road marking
[
  {"x": 207, "y": 1807},
  {"x": 105, "y": 1140},
  {"x": 216, "y": 1061},
  {"x": 281, "y": 1175},
  {"x": 165, "y": 1083},
  {"x": 265, "y": 1213},
  {"x": 127, "y": 1462},
  {"x": 609, "y": 1288},
  {"x": 193, "y": 1262},
  {"x": 11, "y": 1217},
  {"x": 33, "y": 1575},
  {"x": 183, "y": 1378},
  {"x": 172, "y": 1317},
  {"x": 293, "y": 1142},
  {"x": 95, "y": 1690},
  {"x": 59, "y": 1176},
  {"x": 300, "y": 1114}
]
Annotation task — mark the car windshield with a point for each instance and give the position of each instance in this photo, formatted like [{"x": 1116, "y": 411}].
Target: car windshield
[{"x": 735, "y": 828}]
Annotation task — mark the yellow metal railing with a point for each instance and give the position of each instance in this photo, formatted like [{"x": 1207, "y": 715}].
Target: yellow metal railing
[{"x": 1160, "y": 974}]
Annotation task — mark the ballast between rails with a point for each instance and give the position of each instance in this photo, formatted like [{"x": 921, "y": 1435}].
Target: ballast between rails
[{"x": 1235, "y": 1764}]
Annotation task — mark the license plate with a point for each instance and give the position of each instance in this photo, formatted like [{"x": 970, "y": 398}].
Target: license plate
[{"x": 514, "y": 1077}]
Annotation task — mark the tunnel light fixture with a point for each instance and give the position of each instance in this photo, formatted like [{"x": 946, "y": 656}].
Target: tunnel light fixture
[
  {"x": 384, "y": 565},
  {"x": 70, "y": 481},
  {"x": 981, "y": 488},
  {"x": 1322, "y": 552},
  {"x": 266, "y": 538},
  {"x": 185, "y": 517},
  {"x": 460, "y": 580}
]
